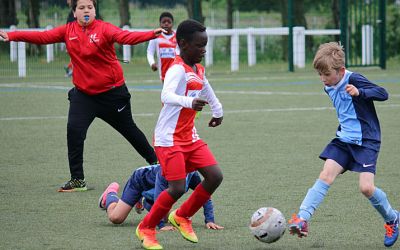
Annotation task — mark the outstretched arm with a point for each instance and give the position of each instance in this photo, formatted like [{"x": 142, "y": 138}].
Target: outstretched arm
[
  {"x": 55, "y": 35},
  {"x": 131, "y": 37},
  {"x": 3, "y": 36}
]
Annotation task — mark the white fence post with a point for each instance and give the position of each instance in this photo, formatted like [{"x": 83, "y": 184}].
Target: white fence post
[
  {"x": 13, "y": 47},
  {"x": 209, "y": 54},
  {"x": 50, "y": 48},
  {"x": 21, "y": 59},
  {"x": 126, "y": 48},
  {"x": 235, "y": 52},
  {"x": 299, "y": 47},
  {"x": 367, "y": 34},
  {"x": 251, "y": 48}
]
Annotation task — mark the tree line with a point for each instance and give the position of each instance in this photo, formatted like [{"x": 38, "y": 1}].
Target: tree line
[{"x": 31, "y": 8}]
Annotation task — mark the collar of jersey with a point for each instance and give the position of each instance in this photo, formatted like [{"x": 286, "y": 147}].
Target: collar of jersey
[{"x": 343, "y": 80}]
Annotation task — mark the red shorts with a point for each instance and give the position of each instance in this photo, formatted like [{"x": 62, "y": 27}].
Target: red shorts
[{"x": 177, "y": 161}]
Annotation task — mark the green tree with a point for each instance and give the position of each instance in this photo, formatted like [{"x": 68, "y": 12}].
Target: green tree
[
  {"x": 229, "y": 24},
  {"x": 194, "y": 10},
  {"x": 299, "y": 19},
  {"x": 393, "y": 30},
  {"x": 124, "y": 13},
  {"x": 8, "y": 14},
  {"x": 32, "y": 13}
]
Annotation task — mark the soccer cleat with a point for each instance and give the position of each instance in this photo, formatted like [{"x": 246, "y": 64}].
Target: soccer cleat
[
  {"x": 113, "y": 187},
  {"x": 184, "y": 226},
  {"x": 73, "y": 185},
  {"x": 392, "y": 232},
  {"x": 148, "y": 238},
  {"x": 298, "y": 226},
  {"x": 139, "y": 206}
]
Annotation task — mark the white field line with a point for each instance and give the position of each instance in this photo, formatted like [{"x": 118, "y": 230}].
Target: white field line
[
  {"x": 235, "y": 92},
  {"x": 226, "y": 112}
]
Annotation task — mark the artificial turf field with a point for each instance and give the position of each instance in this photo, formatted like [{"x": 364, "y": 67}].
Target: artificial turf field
[{"x": 275, "y": 125}]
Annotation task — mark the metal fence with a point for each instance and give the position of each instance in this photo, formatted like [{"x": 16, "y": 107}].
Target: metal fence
[{"x": 257, "y": 37}]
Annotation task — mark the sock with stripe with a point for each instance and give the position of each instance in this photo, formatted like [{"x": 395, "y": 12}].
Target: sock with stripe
[
  {"x": 381, "y": 203},
  {"x": 111, "y": 198}
]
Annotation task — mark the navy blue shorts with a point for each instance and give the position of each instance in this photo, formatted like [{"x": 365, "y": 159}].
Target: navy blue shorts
[
  {"x": 350, "y": 156},
  {"x": 132, "y": 190}
]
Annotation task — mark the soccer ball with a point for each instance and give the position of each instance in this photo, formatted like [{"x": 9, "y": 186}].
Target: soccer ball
[{"x": 268, "y": 224}]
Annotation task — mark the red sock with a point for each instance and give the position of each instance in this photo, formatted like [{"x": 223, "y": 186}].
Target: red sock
[
  {"x": 195, "y": 201},
  {"x": 158, "y": 211}
]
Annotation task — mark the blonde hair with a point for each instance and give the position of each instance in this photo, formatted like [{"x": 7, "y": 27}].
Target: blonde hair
[{"x": 329, "y": 56}]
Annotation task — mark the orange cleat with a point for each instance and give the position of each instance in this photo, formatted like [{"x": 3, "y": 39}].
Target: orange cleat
[
  {"x": 148, "y": 238},
  {"x": 184, "y": 226}
]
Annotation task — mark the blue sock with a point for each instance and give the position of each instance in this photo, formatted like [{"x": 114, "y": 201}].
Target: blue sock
[
  {"x": 314, "y": 197},
  {"x": 380, "y": 202},
  {"x": 111, "y": 198}
]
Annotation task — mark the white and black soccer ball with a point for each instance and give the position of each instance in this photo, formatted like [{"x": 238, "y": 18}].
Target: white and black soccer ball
[{"x": 268, "y": 224}]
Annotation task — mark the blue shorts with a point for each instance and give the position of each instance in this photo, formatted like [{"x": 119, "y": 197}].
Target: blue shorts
[
  {"x": 132, "y": 190},
  {"x": 350, "y": 156}
]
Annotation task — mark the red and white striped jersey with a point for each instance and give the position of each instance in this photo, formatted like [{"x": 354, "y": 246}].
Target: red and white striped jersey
[
  {"x": 166, "y": 48},
  {"x": 175, "y": 125}
]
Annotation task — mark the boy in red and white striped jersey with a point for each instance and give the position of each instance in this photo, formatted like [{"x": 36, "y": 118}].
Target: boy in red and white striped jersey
[
  {"x": 178, "y": 146},
  {"x": 164, "y": 46}
]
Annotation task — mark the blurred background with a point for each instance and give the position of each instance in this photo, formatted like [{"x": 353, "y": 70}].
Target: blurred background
[{"x": 271, "y": 51}]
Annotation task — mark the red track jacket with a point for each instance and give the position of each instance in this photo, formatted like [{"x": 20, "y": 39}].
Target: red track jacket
[{"x": 95, "y": 65}]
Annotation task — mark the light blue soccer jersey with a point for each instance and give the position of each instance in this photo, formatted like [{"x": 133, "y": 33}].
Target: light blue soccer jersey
[{"x": 358, "y": 122}]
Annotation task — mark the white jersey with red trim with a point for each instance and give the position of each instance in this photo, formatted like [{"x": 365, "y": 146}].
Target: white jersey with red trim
[
  {"x": 166, "y": 48},
  {"x": 175, "y": 125}
]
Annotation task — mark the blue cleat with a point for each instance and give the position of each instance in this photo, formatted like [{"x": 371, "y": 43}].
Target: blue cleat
[{"x": 392, "y": 231}]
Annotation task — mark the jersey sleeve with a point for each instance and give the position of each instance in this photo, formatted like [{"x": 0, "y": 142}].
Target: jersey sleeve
[
  {"x": 174, "y": 81},
  {"x": 56, "y": 35},
  {"x": 215, "y": 105},
  {"x": 367, "y": 89},
  {"x": 127, "y": 37},
  {"x": 151, "y": 49}
]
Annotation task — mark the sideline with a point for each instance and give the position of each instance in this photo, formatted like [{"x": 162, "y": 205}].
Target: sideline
[{"x": 24, "y": 118}]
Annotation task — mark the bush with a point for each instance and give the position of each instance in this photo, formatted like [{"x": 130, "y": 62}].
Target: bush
[{"x": 393, "y": 31}]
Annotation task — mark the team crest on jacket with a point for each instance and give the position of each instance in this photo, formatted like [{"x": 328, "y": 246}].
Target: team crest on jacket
[{"x": 93, "y": 38}]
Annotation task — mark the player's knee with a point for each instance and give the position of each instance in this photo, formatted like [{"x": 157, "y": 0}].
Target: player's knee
[
  {"x": 218, "y": 178},
  {"x": 367, "y": 189},
  {"x": 177, "y": 191},
  {"x": 116, "y": 219},
  {"x": 326, "y": 177}
]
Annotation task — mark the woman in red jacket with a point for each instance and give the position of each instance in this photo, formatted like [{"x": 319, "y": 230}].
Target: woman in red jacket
[{"x": 100, "y": 89}]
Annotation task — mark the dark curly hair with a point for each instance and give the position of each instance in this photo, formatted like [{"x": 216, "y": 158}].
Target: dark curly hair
[
  {"x": 166, "y": 14},
  {"x": 187, "y": 28}
]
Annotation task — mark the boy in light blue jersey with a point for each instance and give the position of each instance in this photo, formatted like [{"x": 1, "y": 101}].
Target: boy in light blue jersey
[
  {"x": 147, "y": 182},
  {"x": 357, "y": 141}
]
